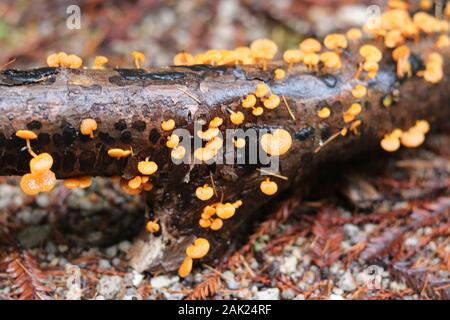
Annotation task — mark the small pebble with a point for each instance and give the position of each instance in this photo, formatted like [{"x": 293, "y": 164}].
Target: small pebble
[
  {"x": 104, "y": 264},
  {"x": 288, "y": 265},
  {"x": 163, "y": 281},
  {"x": 288, "y": 294},
  {"x": 347, "y": 283},
  {"x": 267, "y": 294},
  {"x": 109, "y": 286}
]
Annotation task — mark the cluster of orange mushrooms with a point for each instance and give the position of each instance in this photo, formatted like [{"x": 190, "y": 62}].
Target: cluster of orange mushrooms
[{"x": 396, "y": 28}]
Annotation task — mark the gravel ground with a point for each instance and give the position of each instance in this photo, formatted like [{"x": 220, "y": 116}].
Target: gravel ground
[{"x": 380, "y": 233}]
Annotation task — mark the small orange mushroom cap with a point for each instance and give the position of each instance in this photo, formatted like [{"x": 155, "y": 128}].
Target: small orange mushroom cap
[
  {"x": 172, "y": 141},
  {"x": 249, "y": 101},
  {"x": 88, "y": 126},
  {"x": 237, "y": 118},
  {"x": 359, "y": 91},
  {"x": 310, "y": 45},
  {"x": 32, "y": 184},
  {"x": 257, "y": 111},
  {"x": 168, "y": 125},
  {"x": 264, "y": 49},
  {"x": 423, "y": 126},
  {"x": 100, "y": 61},
  {"x": 279, "y": 74},
  {"x": 183, "y": 59},
  {"x": 277, "y": 143},
  {"x": 324, "y": 113},
  {"x": 239, "y": 143},
  {"x": 204, "y": 193},
  {"x": 293, "y": 56},
  {"x": 370, "y": 53},
  {"x": 26, "y": 134},
  {"x": 79, "y": 182},
  {"x": 335, "y": 41},
  {"x": 354, "y": 34},
  {"x": 261, "y": 90},
  {"x": 178, "y": 152},
  {"x": 412, "y": 138},
  {"x": 331, "y": 60},
  {"x": 272, "y": 102},
  {"x": 390, "y": 143},
  {"x": 138, "y": 58},
  {"x": 216, "y": 122},
  {"x": 198, "y": 249},
  {"x": 41, "y": 163},
  {"x": 119, "y": 153},
  {"x": 268, "y": 187},
  {"x": 216, "y": 224},
  {"x": 225, "y": 210},
  {"x": 73, "y": 61},
  {"x": 153, "y": 226},
  {"x": 147, "y": 167}
]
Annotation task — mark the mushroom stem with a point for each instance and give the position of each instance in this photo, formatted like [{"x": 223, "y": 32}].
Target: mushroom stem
[{"x": 30, "y": 150}]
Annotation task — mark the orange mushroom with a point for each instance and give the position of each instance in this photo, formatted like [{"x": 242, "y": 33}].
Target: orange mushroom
[
  {"x": 354, "y": 34},
  {"x": 311, "y": 60},
  {"x": 249, "y": 101},
  {"x": 41, "y": 163},
  {"x": 359, "y": 91},
  {"x": 277, "y": 143},
  {"x": 412, "y": 138},
  {"x": 168, "y": 125},
  {"x": 310, "y": 45},
  {"x": 32, "y": 184},
  {"x": 178, "y": 152},
  {"x": 87, "y": 127},
  {"x": 204, "y": 193},
  {"x": 138, "y": 58},
  {"x": 185, "y": 268},
  {"x": 119, "y": 153},
  {"x": 292, "y": 57},
  {"x": 147, "y": 167},
  {"x": 390, "y": 143},
  {"x": 263, "y": 50},
  {"x": 324, "y": 113},
  {"x": 198, "y": 249},
  {"x": 172, "y": 141},
  {"x": 370, "y": 53},
  {"x": 261, "y": 90},
  {"x": 26, "y": 134},
  {"x": 153, "y": 227},
  {"x": 279, "y": 74},
  {"x": 183, "y": 59},
  {"x": 225, "y": 210},
  {"x": 216, "y": 224},
  {"x": 237, "y": 117},
  {"x": 272, "y": 102},
  {"x": 99, "y": 62},
  {"x": 331, "y": 61},
  {"x": 335, "y": 41},
  {"x": 268, "y": 187},
  {"x": 79, "y": 182}
]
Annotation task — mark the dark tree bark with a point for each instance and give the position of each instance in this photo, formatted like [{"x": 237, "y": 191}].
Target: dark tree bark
[{"x": 129, "y": 106}]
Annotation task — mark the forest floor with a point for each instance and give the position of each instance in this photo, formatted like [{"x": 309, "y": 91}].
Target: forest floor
[{"x": 377, "y": 233}]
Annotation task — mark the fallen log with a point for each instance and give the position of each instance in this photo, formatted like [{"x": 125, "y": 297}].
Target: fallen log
[{"x": 129, "y": 106}]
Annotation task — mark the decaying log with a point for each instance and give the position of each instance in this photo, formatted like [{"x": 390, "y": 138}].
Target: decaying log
[{"x": 129, "y": 106}]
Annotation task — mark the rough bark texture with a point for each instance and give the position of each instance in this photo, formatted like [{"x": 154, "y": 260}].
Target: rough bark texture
[{"x": 129, "y": 106}]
